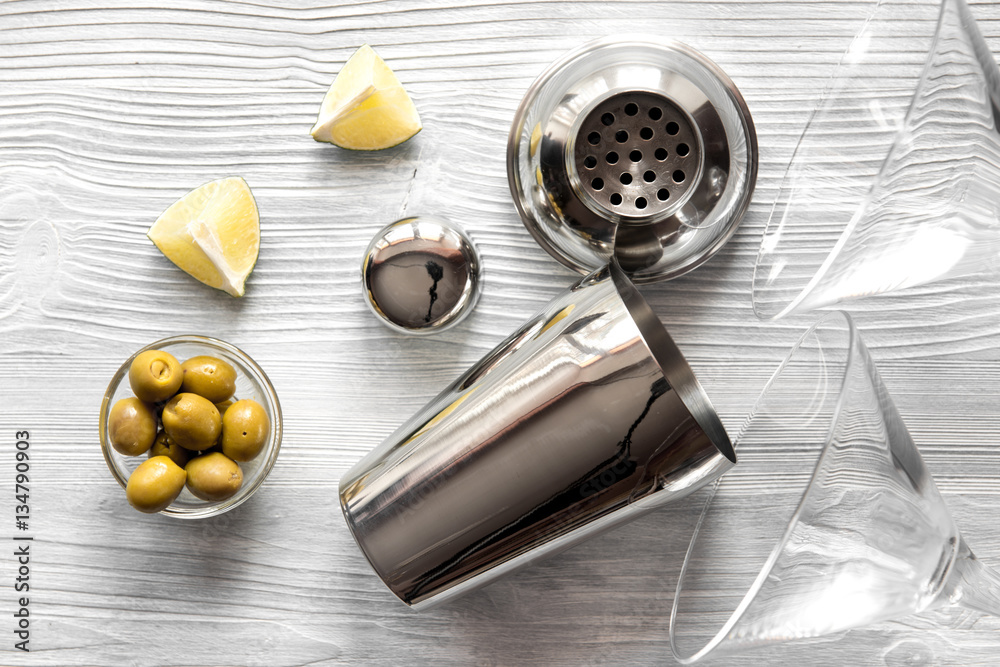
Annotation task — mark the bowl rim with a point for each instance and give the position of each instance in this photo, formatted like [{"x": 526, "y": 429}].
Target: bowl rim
[
  {"x": 855, "y": 353},
  {"x": 255, "y": 373}
]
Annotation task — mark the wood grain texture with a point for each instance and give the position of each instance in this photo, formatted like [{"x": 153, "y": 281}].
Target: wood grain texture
[{"x": 112, "y": 109}]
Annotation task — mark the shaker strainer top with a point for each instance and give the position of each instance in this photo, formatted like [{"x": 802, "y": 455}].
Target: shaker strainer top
[
  {"x": 634, "y": 149},
  {"x": 640, "y": 156}
]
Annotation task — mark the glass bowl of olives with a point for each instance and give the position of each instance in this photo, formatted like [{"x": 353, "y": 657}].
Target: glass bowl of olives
[{"x": 190, "y": 427}]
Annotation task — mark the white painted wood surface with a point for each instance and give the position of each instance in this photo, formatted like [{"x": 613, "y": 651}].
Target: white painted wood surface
[{"x": 110, "y": 110}]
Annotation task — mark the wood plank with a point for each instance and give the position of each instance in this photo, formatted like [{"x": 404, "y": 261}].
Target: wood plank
[{"x": 111, "y": 110}]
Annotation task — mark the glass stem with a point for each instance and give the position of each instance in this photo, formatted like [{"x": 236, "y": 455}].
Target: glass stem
[{"x": 972, "y": 584}]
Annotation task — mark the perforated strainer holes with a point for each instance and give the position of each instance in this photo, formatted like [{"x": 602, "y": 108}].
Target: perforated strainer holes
[{"x": 644, "y": 142}]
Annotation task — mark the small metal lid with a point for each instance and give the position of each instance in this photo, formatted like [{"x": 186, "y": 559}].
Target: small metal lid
[{"x": 421, "y": 275}]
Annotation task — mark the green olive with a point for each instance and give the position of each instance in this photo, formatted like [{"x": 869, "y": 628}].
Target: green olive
[
  {"x": 155, "y": 484},
  {"x": 224, "y": 405},
  {"x": 209, "y": 377},
  {"x": 164, "y": 446},
  {"x": 155, "y": 376},
  {"x": 132, "y": 426},
  {"x": 191, "y": 421},
  {"x": 213, "y": 476},
  {"x": 245, "y": 428}
]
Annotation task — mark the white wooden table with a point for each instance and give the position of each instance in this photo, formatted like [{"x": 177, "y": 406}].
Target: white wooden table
[{"x": 110, "y": 110}]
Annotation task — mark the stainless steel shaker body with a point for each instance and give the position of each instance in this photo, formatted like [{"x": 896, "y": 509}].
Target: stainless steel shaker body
[{"x": 584, "y": 418}]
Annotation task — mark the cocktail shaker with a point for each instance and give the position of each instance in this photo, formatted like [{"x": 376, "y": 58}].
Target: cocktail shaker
[{"x": 586, "y": 417}]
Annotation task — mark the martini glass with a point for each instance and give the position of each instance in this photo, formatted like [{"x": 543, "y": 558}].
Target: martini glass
[
  {"x": 850, "y": 529},
  {"x": 896, "y": 180}
]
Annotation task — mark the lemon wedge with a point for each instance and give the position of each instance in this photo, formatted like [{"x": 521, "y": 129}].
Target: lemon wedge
[
  {"x": 212, "y": 233},
  {"x": 366, "y": 108}
]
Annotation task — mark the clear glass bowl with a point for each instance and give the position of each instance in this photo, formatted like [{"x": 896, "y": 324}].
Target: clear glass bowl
[
  {"x": 251, "y": 382},
  {"x": 848, "y": 530},
  {"x": 895, "y": 180}
]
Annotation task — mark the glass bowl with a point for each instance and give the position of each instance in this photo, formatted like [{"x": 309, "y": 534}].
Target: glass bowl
[
  {"x": 846, "y": 527},
  {"x": 251, "y": 382},
  {"x": 895, "y": 179}
]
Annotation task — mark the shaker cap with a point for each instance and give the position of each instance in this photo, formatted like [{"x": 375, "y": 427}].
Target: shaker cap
[{"x": 421, "y": 275}]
